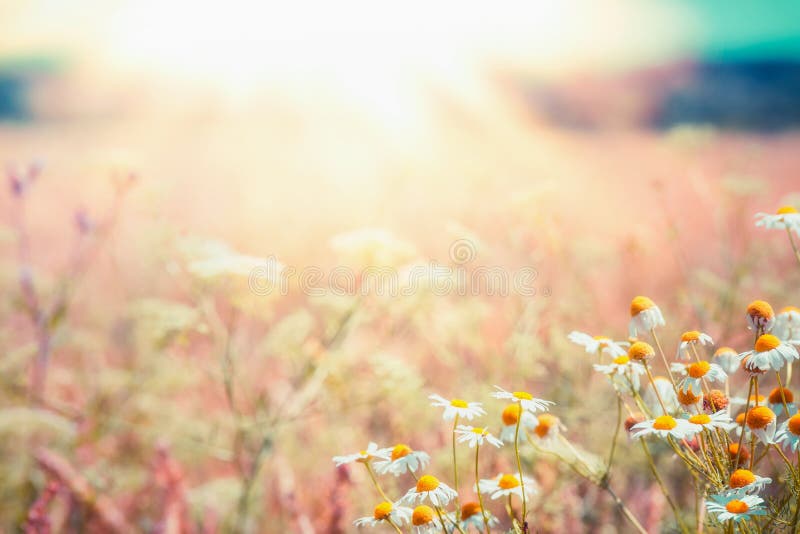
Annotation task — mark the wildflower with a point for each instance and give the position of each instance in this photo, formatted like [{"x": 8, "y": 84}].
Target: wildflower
[
  {"x": 789, "y": 434},
  {"x": 385, "y": 511},
  {"x": 776, "y": 398},
  {"x": 699, "y": 371},
  {"x": 770, "y": 353},
  {"x": 786, "y": 217},
  {"x": 457, "y": 407},
  {"x": 510, "y": 417},
  {"x": 525, "y": 399},
  {"x": 471, "y": 516},
  {"x": 402, "y": 459},
  {"x": 504, "y": 485},
  {"x": 664, "y": 426},
  {"x": 740, "y": 425},
  {"x": 745, "y": 363},
  {"x": 761, "y": 422},
  {"x": 371, "y": 452},
  {"x": 689, "y": 400},
  {"x": 645, "y": 316},
  {"x": 734, "y": 507},
  {"x": 745, "y": 481},
  {"x": 548, "y": 429},
  {"x": 665, "y": 390},
  {"x": 760, "y": 316},
  {"x": 693, "y": 337},
  {"x": 787, "y": 323},
  {"x": 733, "y": 453},
  {"x": 715, "y": 401},
  {"x": 597, "y": 344},
  {"x": 727, "y": 358},
  {"x": 640, "y": 350},
  {"x": 431, "y": 489},
  {"x": 622, "y": 368},
  {"x": 702, "y": 421},
  {"x": 475, "y": 435},
  {"x": 422, "y": 519}
]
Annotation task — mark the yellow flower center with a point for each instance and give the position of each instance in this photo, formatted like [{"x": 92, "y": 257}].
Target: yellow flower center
[
  {"x": 767, "y": 342},
  {"x": 700, "y": 419},
  {"x": 640, "y": 350},
  {"x": 458, "y": 403},
  {"x": 698, "y": 369},
  {"x": 737, "y": 507},
  {"x": 546, "y": 422},
  {"x": 687, "y": 398},
  {"x": 383, "y": 510},
  {"x": 508, "y": 482},
  {"x": 794, "y": 424},
  {"x": 789, "y": 309},
  {"x": 760, "y": 417},
  {"x": 639, "y": 304},
  {"x": 621, "y": 360},
  {"x": 422, "y": 515},
  {"x": 757, "y": 399},
  {"x": 478, "y": 430},
  {"x": 691, "y": 335},
  {"x": 760, "y": 309},
  {"x": 511, "y": 414},
  {"x": 741, "y": 478},
  {"x": 427, "y": 483},
  {"x": 664, "y": 422},
  {"x": 469, "y": 509},
  {"x": 602, "y": 339},
  {"x": 783, "y": 210},
  {"x": 400, "y": 450},
  {"x": 733, "y": 452},
  {"x": 524, "y": 395},
  {"x": 776, "y": 398}
]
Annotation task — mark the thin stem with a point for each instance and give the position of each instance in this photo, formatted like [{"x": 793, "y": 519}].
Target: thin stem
[
  {"x": 794, "y": 245},
  {"x": 662, "y": 486},
  {"x": 614, "y": 439},
  {"x": 744, "y": 424},
  {"x": 396, "y": 528},
  {"x": 519, "y": 465},
  {"x": 783, "y": 395},
  {"x": 375, "y": 482},
  {"x": 655, "y": 389},
  {"x": 664, "y": 359},
  {"x": 477, "y": 486},
  {"x": 455, "y": 469}
]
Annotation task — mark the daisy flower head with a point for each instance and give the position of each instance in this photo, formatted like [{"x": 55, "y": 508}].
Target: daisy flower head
[
  {"x": 423, "y": 520},
  {"x": 689, "y": 401},
  {"x": 664, "y": 426},
  {"x": 665, "y": 390},
  {"x": 760, "y": 316},
  {"x": 734, "y": 507},
  {"x": 471, "y": 517},
  {"x": 385, "y": 511},
  {"x": 745, "y": 481},
  {"x": 715, "y": 400},
  {"x": 525, "y": 400},
  {"x": 622, "y": 369},
  {"x": 504, "y": 485},
  {"x": 367, "y": 455},
  {"x": 787, "y": 324},
  {"x": 690, "y": 338},
  {"x": 697, "y": 372},
  {"x": 704, "y": 421},
  {"x": 734, "y": 453},
  {"x": 548, "y": 429},
  {"x": 510, "y": 416},
  {"x": 430, "y": 489},
  {"x": 475, "y": 435},
  {"x": 645, "y": 316},
  {"x": 776, "y": 398},
  {"x": 789, "y": 434},
  {"x": 786, "y": 217},
  {"x": 457, "y": 407},
  {"x": 597, "y": 344},
  {"x": 762, "y": 422},
  {"x": 640, "y": 351},
  {"x": 769, "y": 354},
  {"x": 402, "y": 459},
  {"x": 727, "y": 358}
]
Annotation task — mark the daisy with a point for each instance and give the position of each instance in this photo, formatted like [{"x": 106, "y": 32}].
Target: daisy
[
  {"x": 510, "y": 417},
  {"x": 740, "y": 426},
  {"x": 429, "y": 488},
  {"x": 760, "y": 316},
  {"x": 471, "y": 516},
  {"x": 622, "y": 368},
  {"x": 645, "y": 316},
  {"x": 769, "y": 354},
  {"x": 385, "y": 511},
  {"x": 727, "y": 358},
  {"x": 639, "y": 351},
  {"x": 475, "y": 435},
  {"x": 422, "y": 520},
  {"x": 776, "y": 398},
  {"x": 690, "y": 402},
  {"x": 699, "y": 371},
  {"x": 505, "y": 485},
  {"x": 787, "y": 323},
  {"x": 597, "y": 344},
  {"x": 692, "y": 337},
  {"x": 735, "y": 507},
  {"x": 786, "y": 217},
  {"x": 743, "y": 481},
  {"x": 457, "y": 407},
  {"x": 548, "y": 429},
  {"x": 715, "y": 400},
  {"x": 733, "y": 453},
  {"x": 703, "y": 421},
  {"x": 665, "y": 390},
  {"x": 403, "y": 459},
  {"x": 524, "y": 399},
  {"x": 371, "y": 452},
  {"x": 664, "y": 427},
  {"x": 762, "y": 421},
  {"x": 789, "y": 434}
]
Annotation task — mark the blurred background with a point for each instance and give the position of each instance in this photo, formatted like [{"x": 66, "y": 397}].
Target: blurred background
[{"x": 618, "y": 147}]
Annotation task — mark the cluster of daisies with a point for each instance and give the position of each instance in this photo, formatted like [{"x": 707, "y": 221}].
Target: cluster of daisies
[{"x": 431, "y": 505}]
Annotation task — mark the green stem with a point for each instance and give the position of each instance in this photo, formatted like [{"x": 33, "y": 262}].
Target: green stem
[
  {"x": 519, "y": 465},
  {"x": 480, "y": 495},
  {"x": 375, "y": 482},
  {"x": 455, "y": 469}
]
